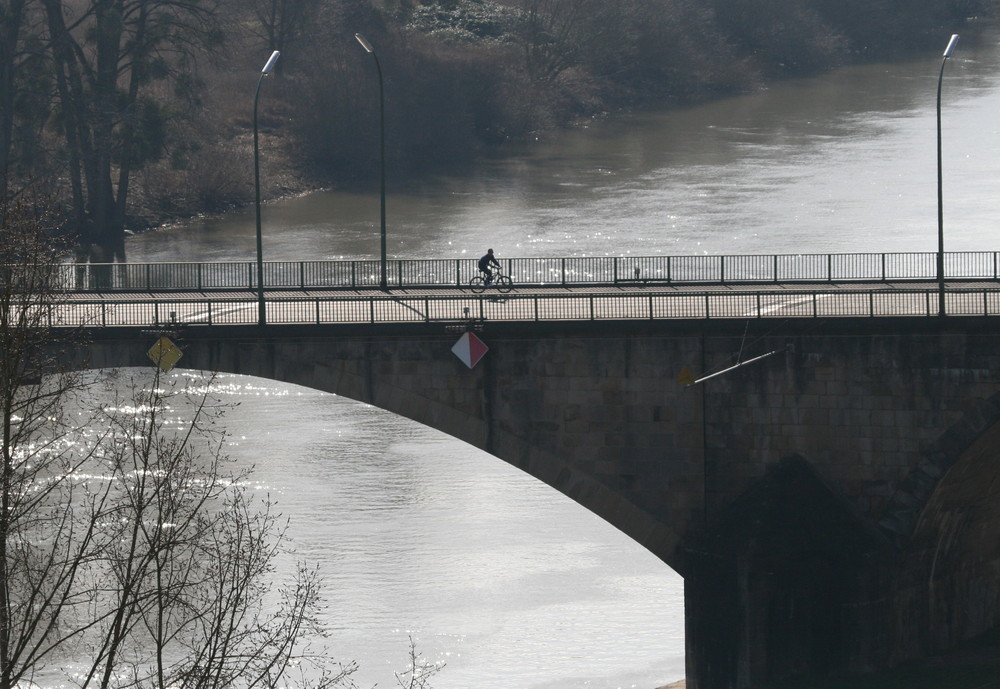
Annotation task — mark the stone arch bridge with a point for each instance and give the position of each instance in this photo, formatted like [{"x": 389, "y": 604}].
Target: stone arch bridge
[{"x": 831, "y": 497}]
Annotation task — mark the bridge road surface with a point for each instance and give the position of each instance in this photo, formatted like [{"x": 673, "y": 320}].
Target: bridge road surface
[
  {"x": 591, "y": 303},
  {"x": 623, "y": 302}
]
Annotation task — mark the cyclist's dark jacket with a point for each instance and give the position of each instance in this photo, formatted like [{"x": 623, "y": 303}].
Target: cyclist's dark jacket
[{"x": 484, "y": 262}]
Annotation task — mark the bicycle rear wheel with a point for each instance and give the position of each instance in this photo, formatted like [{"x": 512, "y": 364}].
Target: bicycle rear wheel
[
  {"x": 477, "y": 284},
  {"x": 504, "y": 284}
]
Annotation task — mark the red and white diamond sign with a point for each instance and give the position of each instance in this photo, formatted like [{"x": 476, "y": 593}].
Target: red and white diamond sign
[{"x": 470, "y": 349}]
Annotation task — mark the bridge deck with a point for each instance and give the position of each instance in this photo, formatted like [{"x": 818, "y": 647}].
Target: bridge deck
[
  {"x": 622, "y": 287},
  {"x": 588, "y": 303}
]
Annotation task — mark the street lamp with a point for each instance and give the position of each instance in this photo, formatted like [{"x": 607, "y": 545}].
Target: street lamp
[
  {"x": 381, "y": 128},
  {"x": 940, "y": 253},
  {"x": 261, "y": 319}
]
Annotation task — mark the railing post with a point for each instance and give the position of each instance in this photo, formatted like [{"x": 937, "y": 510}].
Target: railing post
[
  {"x": 250, "y": 276},
  {"x": 371, "y": 309},
  {"x": 317, "y": 311},
  {"x": 149, "y": 277},
  {"x": 156, "y": 313},
  {"x": 354, "y": 274},
  {"x": 722, "y": 269},
  {"x": 871, "y": 304},
  {"x": 458, "y": 272},
  {"x": 775, "y": 267},
  {"x": 669, "y": 268},
  {"x": 829, "y": 267},
  {"x": 563, "y": 269},
  {"x": 614, "y": 269},
  {"x": 198, "y": 273},
  {"x": 399, "y": 272},
  {"x": 302, "y": 274},
  {"x": 591, "y": 300},
  {"x": 884, "y": 278},
  {"x": 209, "y": 305}
]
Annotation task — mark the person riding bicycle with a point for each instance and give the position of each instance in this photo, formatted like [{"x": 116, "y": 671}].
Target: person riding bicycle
[{"x": 484, "y": 265}]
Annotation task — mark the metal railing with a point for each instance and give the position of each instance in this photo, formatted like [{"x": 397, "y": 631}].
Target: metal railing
[
  {"x": 545, "y": 307},
  {"x": 540, "y": 272}
]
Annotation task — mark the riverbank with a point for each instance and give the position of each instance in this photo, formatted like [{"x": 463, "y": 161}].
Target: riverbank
[{"x": 297, "y": 157}]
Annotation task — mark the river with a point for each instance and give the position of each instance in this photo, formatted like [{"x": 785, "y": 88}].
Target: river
[{"x": 508, "y": 582}]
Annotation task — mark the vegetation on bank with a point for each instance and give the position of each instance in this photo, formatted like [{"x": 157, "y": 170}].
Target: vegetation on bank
[{"x": 130, "y": 112}]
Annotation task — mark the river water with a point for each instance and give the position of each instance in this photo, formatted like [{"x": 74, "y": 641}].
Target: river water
[{"x": 505, "y": 580}]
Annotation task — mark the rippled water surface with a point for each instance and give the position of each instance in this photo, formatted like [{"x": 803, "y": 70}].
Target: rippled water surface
[{"x": 502, "y": 578}]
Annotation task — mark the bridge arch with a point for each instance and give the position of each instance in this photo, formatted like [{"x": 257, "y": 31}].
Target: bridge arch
[{"x": 553, "y": 407}]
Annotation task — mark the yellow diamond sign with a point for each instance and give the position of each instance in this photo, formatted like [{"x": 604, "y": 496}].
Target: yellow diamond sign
[{"x": 165, "y": 354}]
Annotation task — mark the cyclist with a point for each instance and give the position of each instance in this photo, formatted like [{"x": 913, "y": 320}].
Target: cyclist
[{"x": 484, "y": 265}]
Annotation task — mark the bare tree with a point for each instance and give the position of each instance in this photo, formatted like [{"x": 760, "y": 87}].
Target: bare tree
[
  {"x": 420, "y": 671},
  {"x": 24, "y": 96},
  {"x": 39, "y": 564},
  {"x": 11, "y": 28},
  {"x": 108, "y": 55},
  {"x": 279, "y": 23},
  {"x": 127, "y": 546},
  {"x": 187, "y": 572}
]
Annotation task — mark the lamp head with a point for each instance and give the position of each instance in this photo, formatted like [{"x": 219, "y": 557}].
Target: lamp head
[
  {"x": 364, "y": 43},
  {"x": 951, "y": 45},
  {"x": 270, "y": 62}
]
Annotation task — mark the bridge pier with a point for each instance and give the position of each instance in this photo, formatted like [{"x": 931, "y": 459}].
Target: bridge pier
[{"x": 786, "y": 581}]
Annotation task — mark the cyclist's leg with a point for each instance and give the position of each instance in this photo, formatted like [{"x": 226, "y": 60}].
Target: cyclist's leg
[{"x": 489, "y": 275}]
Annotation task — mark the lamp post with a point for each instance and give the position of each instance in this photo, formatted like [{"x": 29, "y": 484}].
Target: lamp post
[
  {"x": 261, "y": 319},
  {"x": 940, "y": 194},
  {"x": 381, "y": 134}
]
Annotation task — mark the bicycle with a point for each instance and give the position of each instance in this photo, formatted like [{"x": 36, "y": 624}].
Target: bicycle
[{"x": 502, "y": 282}]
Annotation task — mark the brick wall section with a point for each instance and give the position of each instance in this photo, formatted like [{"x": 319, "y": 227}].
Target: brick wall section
[{"x": 879, "y": 414}]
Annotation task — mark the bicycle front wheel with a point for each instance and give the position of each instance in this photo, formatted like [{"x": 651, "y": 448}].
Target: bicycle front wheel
[
  {"x": 504, "y": 284},
  {"x": 477, "y": 284}
]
